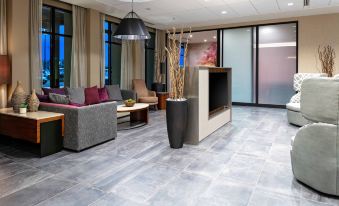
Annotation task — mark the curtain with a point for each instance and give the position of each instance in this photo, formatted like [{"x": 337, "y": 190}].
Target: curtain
[
  {"x": 79, "y": 71},
  {"x": 3, "y": 49},
  {"x": 35, "y": 23},
  {"x": 102, "y": 51},
  {"x": 160, "y": 54},
  {"x": 132, "y": 62}
]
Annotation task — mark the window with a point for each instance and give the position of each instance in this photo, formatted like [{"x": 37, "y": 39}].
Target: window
[
  {"x": 56, "y": 47},
  {"x": 112, "y": 55},
  {"x": 182, "y": 56},
  {"x": 149, "y": 60}
]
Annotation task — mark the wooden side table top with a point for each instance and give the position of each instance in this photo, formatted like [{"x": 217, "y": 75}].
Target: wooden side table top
[{"x": 39, "y": 115}]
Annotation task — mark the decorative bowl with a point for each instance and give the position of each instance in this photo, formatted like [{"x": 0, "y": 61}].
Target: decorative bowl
[{"x": 129, "y": 103}]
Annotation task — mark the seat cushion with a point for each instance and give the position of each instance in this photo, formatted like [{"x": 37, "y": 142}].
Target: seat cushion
[
  {"x": 293, "y": 106},
  {"x": 148, "y": 99},
  {"x": 76, "y": 95},
  {"x": 114, "y": 92}
]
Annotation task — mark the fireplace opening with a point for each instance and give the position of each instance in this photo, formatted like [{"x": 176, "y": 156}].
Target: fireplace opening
[{"x": 218, "y": 91}]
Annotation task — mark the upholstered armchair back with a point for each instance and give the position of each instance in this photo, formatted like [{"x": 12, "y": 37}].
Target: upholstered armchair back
[
  {"x": 320, "y": 100},
  {"x": 139, "y": 86}
]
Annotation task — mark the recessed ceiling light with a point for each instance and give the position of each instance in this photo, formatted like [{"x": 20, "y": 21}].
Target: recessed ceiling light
[
  {"x": 290, "y": 4},
  {"x": 191, "y": 35},
  {"x": 205, "y": 40},
  {"x": 214, "y": 37},
  {"x": 294, "y": 26},
  {"x": 223, "y": 12}
]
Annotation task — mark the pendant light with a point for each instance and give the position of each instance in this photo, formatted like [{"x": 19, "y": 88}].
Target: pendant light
[{"x": 132, "y": 27}]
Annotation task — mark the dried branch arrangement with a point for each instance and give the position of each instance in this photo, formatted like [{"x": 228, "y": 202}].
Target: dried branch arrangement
[
  {"x": 177, "y": 74},
  {"x": 327, "y": 55}
]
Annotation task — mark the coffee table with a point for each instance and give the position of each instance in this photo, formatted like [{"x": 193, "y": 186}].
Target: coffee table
[{"x": 138, "y": 116}]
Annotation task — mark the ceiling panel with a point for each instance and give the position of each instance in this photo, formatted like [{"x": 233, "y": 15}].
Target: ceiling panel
[
  {"x": 265, "y": 6},
  {"x": 169, "y": 13}
]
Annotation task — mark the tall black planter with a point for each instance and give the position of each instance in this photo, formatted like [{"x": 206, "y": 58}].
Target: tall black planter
[{"x": 176, "y": 117}]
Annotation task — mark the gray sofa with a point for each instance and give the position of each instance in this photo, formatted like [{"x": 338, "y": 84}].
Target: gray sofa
[
  {"x": 86, "y": 126},
  {"x": 89, "y": 125},
  {"x": 314, "y": 153}
]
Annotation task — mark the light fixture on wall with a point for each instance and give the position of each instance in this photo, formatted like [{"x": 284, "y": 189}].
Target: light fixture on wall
[{"x": 132, "y": 27}]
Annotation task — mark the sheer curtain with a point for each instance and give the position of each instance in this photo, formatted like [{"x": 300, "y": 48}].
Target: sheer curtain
[
  {"x": 3, "y": 49},
  {"x": 79, "y": 48},
  {"x": 132, "y": 62},
  {"x": 35, "y": 23},
  {"x": 102, "y": 51}
]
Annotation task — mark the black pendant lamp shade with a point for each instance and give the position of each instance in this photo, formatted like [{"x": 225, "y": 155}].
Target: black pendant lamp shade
[{"x": 132, "y": 27}]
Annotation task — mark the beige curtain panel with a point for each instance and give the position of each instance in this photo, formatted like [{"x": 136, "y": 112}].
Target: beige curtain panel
[
  {"x": 132, "y": 62},
  {"x": 79, "y": 49},
  {"x": 3, "y": 48},
  {"x": 160, "y": 55},
  {"x": 102, "y": 51},
  {"x": 35, "y": 23}
]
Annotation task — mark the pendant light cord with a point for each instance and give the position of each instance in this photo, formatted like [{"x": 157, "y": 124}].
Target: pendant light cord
[{"x": 132, "y": 8}]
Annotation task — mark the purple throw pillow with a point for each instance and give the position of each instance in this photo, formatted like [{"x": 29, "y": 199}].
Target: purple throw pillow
[
  {"x": 103, "y": 95},
  {"x": 42, "y": 97},
  {"x": 92, "y": 95},
  {"x": 54, "y": 91}
]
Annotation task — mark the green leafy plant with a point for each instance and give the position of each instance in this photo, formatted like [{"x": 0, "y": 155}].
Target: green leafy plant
[{"x": 23, "y": 105}]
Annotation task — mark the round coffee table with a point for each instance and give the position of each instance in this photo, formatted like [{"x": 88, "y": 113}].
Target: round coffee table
[{"x": 138, "y": 116}]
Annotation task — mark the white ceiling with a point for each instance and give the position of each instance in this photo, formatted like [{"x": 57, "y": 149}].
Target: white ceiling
[{"x": 165, "y": 14}]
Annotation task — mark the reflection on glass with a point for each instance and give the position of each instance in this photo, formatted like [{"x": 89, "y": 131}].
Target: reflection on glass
[
  {"x": 116, "y": 63},
  {"x": 62, "y": 60},
  {"x": 149, "y": 57},
  {"x": 237, "y": 51},
  {"x": 277, "y": 63},
  {"x": 46, "y": 16},
  {"x": 63, "y": 22},
  {"x": 46, "y": 60}
]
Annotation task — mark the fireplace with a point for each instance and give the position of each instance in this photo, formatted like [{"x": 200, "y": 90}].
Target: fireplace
[{"x": 218, "y": 91}]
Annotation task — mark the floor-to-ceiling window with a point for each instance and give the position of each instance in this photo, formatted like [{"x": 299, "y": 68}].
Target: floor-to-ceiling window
[
  {"x": 112, "y": 55},
  {"x": 56, "y": 46},
  {"x": 149, "y": 60},
  {"x": 263, "y": 60}
]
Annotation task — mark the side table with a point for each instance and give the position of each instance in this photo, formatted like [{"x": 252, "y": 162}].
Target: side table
[
  {"x": 45, "y": 129},
  {"x": 162, "y": 96}
]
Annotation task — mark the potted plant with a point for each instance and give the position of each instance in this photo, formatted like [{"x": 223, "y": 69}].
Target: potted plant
[
  {"x": 176, "y": 104},
  {"x": 23, "y": 108}
]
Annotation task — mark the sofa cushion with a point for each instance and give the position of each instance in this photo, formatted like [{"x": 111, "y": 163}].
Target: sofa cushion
[
  {"x": 114, "y": 92},
  {"x": 103, "y": 95},
  {"x": 92, "y": 95},
  {"x": 148, "y": 99},
  {"x": 53, "y": 90},
  {"x": 76, "y": 95},
  {"x": 293, "y": 106},
  {"x": 43, "y": 97},
  {"x": 58, "y": 98}
]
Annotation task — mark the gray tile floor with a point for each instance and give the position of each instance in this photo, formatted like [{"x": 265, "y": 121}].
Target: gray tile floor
[{"x": 244, "y": 163}]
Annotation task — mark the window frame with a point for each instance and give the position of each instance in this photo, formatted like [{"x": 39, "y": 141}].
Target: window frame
[
  {"x": 54, "y": 83},
  {"x": 110, "y": 42}
]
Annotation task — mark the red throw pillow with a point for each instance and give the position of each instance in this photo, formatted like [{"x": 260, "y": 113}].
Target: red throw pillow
[
  {"x": 92, "y": 95},
  {"x": 103, "y": 94}
]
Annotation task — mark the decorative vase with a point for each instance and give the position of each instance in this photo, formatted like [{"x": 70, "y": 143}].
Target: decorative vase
[
  {"x": 33, "y": 102},
  {"x": 176, "y": 118},
  {"x": 18, "y": 97}
]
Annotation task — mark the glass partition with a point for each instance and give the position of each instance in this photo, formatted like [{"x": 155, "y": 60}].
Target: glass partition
[
  {"x": 238, "y": 54},
  {"x": 277, "y": 63}
]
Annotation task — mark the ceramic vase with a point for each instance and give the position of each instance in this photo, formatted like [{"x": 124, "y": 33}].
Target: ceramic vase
[
  {"x": 18, "y": 97},
  {"x": 33, "y": 102}
]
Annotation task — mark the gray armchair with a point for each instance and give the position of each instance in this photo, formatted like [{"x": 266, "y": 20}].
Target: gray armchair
[
  {"x": 314, "y": 153},
  {"x": 293, "y": 107}
]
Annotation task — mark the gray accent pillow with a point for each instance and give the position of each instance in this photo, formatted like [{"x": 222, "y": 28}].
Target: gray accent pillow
[
  {"x": 76, "y": 95},
  {"x": 58, "y": 98},
  {"x": 114, "y": 92}
]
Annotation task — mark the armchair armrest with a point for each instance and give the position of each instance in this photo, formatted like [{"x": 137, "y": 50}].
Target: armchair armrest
[{"x": 152, "y": 93}]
